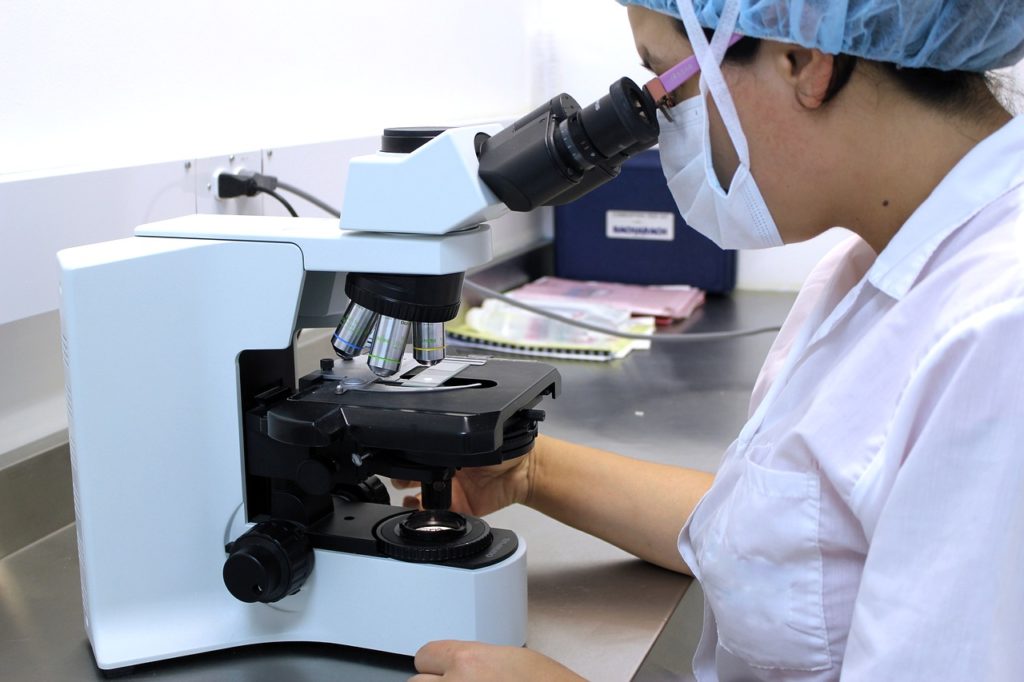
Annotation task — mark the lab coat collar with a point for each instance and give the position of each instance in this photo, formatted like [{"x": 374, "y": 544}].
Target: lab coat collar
[{"x": 987, "y": 172}]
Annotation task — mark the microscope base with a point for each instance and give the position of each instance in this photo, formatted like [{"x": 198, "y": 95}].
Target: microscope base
[{"x": 353, "y": 600}]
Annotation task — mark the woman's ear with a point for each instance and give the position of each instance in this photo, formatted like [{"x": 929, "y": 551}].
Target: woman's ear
[{"x": 808, "y": 72}]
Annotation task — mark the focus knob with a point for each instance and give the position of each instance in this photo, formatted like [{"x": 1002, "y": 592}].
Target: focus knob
[
  {"x": 269, "y": 562},
  {"x": 369, "y": 490}
]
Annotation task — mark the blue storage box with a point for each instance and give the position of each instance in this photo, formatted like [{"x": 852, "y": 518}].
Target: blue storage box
[{"x": 630, "y": 231}]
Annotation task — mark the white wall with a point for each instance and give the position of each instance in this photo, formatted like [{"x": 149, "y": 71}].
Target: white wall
[
  {"x": 92, "y": 90},
  {"x": 581, "y": 47},
  {"x": 107, "y": 83}
]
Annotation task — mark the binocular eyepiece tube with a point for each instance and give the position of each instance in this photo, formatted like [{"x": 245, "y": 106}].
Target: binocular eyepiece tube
[{"x": 561, "y": 150}]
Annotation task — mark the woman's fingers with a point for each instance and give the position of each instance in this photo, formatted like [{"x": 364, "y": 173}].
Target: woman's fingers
[
  {"x": 400, "y": 484},
  {"x": 460, "y": 502}
]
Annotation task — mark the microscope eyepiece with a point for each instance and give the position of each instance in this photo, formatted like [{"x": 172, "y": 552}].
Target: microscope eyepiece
[
  {"x": 620, "y": 119},
  {"x": 560, "y": 151}
]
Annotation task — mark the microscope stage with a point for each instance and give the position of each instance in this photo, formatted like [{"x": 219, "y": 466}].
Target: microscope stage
[{"x": 478, "y": 416}]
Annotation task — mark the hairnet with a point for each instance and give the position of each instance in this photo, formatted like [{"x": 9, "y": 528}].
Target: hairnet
[{"x": 952, "y": 35}]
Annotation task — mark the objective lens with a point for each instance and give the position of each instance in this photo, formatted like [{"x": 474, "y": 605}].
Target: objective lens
[
  {"x": 350, "y": 336},
  {"x": 428, "y": 342},
  {"x": 389, "y": 341}
]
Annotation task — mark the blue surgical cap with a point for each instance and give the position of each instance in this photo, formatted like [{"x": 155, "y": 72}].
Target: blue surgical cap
[{"x": 952, "y": 35}]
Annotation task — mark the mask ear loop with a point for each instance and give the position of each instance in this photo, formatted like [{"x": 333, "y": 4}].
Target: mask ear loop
[{"x": 709, "y": 57}]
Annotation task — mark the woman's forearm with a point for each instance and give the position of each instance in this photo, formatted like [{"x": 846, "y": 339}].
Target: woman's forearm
[{"x": 636, "y": 505}]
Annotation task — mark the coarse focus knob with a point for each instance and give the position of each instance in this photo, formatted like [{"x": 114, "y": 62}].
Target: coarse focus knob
[
  {"x": 369, "y": 490},
  {"x": 269, "y": 562}
]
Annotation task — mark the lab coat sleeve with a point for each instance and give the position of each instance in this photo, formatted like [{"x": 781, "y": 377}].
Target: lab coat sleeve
[{"x": 942, "y": 592}]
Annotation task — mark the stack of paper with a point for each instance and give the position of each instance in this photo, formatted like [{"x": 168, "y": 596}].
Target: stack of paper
[
  {"x": 504, "y": 327},
  {"x": 665, "y": 302},
  {"x": 611, "y": 348}
]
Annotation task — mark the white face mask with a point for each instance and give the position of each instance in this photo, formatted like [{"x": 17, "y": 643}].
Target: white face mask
[
  {"x": 681, "y": 138},
  {"x": 739, "y": 218}
]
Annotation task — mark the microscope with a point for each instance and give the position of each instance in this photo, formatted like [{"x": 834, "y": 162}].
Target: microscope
[{"x": 223, "y": 501}]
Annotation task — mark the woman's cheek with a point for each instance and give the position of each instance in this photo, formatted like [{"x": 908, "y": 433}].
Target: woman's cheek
[{"x": 724, "y": 158}]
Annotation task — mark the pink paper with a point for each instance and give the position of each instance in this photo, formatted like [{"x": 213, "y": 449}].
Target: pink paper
[{"x": 676, "y": 302}]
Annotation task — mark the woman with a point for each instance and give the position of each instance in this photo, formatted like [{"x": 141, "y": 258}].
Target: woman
[{"x": 868, "y": 522}]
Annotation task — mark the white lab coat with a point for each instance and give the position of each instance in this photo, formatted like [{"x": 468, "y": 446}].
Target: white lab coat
[{"x": 868, "y": 523}]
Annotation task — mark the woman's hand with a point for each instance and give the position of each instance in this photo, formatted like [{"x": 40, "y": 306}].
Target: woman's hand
[
  {"x": 636, "y": 505},
  {"x": 454, "y": 661},
  {"x": 481, "y": 490}
]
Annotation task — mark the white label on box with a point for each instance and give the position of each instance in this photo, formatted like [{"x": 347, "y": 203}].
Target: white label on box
[{"x": 655, "y": 225}]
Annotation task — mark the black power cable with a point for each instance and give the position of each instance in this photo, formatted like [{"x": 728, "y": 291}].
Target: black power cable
[
  {"x": 685, "y": 337},
  {"x": 284, "y": 202},
  {"x": 302, "y": 194}
]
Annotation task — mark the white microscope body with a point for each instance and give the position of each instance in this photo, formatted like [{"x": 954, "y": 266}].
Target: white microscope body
[
  {"x": 191, "y": 442},
  {"x": 152, "y": 328}
]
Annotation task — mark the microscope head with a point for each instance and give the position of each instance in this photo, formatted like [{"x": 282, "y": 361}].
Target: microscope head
[
  {"x": 441, "y": 180},
  {"x": 422, "y": 183},
  {"x": 434, "y": 181}
]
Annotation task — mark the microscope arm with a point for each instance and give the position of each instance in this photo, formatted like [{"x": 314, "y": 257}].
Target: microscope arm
[{"x": 325, "y": 248}]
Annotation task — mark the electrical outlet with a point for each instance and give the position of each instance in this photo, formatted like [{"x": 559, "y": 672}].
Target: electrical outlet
[{"x": 207, "y": 171}]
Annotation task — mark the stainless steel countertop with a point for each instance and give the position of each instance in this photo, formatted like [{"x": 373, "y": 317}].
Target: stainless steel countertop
[{"x": 592, "y": 606}]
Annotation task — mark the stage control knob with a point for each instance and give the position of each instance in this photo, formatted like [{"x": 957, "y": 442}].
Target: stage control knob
[{"x": 269, "y": 562}]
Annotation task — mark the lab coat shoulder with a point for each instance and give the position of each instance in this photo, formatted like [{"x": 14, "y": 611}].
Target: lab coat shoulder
[
  {"x": 940, "y": 593},
  {"x": 941, "y": 503},
  {"x": 830, "y": 278},
  {"x": 961, "y": 326},
  {"x": 981, "y": 264}
]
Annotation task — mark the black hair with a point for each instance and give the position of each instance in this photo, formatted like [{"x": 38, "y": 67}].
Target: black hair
[{"x": 955, "y": 92}]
